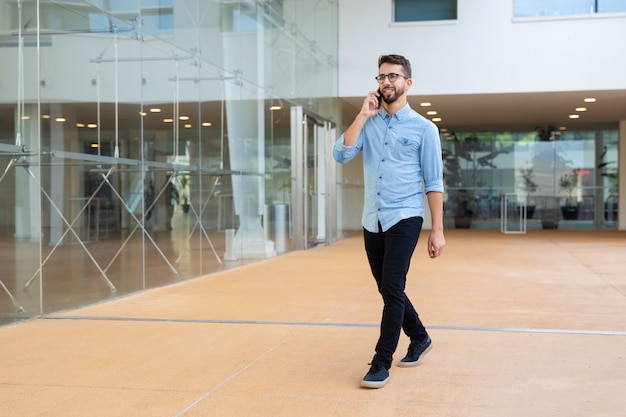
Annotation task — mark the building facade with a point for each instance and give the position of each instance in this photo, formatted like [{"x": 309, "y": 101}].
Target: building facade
[
  {"x": 529, "y": 97},
  {"x": 146, "y": 142}
]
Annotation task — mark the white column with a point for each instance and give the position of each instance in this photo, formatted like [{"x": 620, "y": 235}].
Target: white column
[
  {"x": 246, "y": 139},
  {"x": 27, "y": 193}
]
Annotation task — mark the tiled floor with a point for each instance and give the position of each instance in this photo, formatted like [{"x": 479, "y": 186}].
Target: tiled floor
[{"x": 523, "y": 325}]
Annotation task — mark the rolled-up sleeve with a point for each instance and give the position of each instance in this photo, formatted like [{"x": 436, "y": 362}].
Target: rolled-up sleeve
[
  {"x": 432, "y": 162},
  {"x": 343, "y": 153}
]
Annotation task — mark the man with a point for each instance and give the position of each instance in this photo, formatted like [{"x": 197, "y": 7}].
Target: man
[{"x": 401, "y": 163}]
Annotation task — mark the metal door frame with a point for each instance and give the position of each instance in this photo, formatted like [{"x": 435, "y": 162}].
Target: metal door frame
[{"x": 324, "y": 171}]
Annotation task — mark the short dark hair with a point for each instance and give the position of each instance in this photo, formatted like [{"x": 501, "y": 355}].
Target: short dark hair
[{"x": 396, "y": 60}]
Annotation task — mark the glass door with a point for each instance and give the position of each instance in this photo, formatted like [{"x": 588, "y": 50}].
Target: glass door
[{"x": 312, "y": 179}]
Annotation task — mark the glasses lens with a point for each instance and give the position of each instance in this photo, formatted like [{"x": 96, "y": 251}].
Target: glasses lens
[{"x": 392, "y": 77}]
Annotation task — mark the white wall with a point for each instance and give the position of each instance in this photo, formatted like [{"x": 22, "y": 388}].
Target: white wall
[{"x": 484, "y": 51}]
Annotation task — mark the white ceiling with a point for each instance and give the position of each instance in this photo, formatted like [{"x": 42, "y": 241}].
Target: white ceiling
[
  {"x": 515, "y": 111},
  {"x": 460, "y": 113}
]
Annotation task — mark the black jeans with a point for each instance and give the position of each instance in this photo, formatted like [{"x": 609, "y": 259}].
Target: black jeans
[{"x": 389, "y": 254}]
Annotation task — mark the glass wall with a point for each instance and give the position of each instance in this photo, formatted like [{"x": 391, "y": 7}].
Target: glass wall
[
  {"x": 562, "y": 179},
  {"x": 145, "y": 142}
]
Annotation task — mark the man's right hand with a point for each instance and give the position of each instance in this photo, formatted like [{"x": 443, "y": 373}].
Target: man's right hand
[
  {"x": 368, "y": 109},
  {"x": 371, "y": 105}
]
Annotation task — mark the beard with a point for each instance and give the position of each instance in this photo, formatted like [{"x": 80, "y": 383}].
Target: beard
[{"x": 397, "y": 92}]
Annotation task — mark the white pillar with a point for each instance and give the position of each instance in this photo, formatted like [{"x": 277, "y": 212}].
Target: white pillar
[
  {"x": 246, "y": 140},
  {"x": 27, "y": 193}
]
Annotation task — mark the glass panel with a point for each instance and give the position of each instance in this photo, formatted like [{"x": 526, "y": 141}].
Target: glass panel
[
  {"x": 279, "y": 165},
  {"x": 311, "y": 184},
  {"x": 150, "y": 145},
  {"x": 20, "y": 200},
  {"x": 565, "y": 178},
  {"x": 607, "y": 171},
  {"x": 474, "y": 167}
]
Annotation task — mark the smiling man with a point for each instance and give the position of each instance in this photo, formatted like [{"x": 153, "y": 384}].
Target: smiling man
[{"x": 402, "y": 163}]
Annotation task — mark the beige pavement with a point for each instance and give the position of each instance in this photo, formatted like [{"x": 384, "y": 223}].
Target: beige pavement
[{"x": 522, "y": 325}]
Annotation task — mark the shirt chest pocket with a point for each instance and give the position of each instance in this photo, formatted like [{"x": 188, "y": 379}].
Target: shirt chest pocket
[{"x": 404, "y": 148}]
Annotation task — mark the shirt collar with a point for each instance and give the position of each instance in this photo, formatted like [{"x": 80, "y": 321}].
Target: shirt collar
[{"x": 400, "y": 114}]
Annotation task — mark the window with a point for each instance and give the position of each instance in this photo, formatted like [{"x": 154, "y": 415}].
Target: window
[
  {"x": 611, "y": 6},
  {"x": 424, "y": 10},
  {"x": 531, "y": 8},
  {"x": 152, "y": 17}
]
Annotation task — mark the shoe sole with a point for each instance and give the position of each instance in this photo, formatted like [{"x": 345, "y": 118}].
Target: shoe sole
[
  {"x": 374, "y": 384},
  {"x": 412, "y": 364}
]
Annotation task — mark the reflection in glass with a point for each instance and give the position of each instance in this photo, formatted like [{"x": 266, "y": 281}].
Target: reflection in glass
[
  {"x": 124, "y": 160},
  {"x": 566, "y": 179}
]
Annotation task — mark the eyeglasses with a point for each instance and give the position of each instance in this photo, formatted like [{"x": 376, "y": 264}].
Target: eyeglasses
[{"x": 392, "y": 77}]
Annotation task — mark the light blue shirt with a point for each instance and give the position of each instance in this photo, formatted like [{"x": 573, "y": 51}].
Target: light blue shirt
[{"x": 401, "y": 162}]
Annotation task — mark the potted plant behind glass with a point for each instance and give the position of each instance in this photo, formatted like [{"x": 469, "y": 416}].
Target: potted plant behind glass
[
  {"x": 529, "y": 186},
  {"x": 463, "y": 166},
  {"x": 569, "y": 181}
]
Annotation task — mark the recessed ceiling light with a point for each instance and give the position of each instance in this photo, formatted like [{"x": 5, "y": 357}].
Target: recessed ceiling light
[
  {"x": 187, "y": 126},
  {"x": 207, "y": 124},
  {"x": 436, "y": 119},
  {"x": 426, "y": 104},
  {"x": 574, "y": 116},
  {"x": 92, "y": 125},
  {"x": 155, "y": 110},
  {"x": 275, "y": 108},
  {"x": 581, "y": 108},
  {"x": 168, "y": 120},
  {"x": 25, "y": 117},
  {"x": 590, "y": 100},
  {"x": 431, "y": 112},
  {"x": 94, "y": 145},
  {"x": 45, "y": 116},
  {"x": 143, "y": 113},
  {"x": 80, "y": 125},
  {"x": 183, "y": 117},
  {"x": 60, "y": 119}
]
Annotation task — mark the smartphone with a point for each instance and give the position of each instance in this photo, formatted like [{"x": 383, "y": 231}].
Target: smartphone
[{"x": 380, "y": 98}]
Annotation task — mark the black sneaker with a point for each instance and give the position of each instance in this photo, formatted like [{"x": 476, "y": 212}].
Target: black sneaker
[
  {"x": 416, "y": 350},
  {"x": 377, "y": 377}
]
